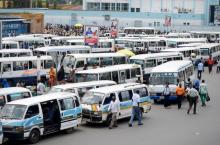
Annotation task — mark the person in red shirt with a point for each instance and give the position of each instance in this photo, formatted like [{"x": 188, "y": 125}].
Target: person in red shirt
[{"x": 210, "y": 63}]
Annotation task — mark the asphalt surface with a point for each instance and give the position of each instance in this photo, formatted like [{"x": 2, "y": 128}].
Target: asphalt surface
[{"x": 161, "y": 126}]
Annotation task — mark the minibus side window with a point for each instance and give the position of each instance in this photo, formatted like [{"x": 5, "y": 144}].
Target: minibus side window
[
  {"x": 2, "y": 101},
  {"x": 77, "y": 102},
  {"x": 125, "y": 95},
  {"x": 143, "y": 91},
  {"x": 32, "y": 111},
  {"x": 108, "y": 99},
  {"x": 67, "y": 104},
  {"x": 128, "y": 74},
  {"x": 133, "y": 73}
]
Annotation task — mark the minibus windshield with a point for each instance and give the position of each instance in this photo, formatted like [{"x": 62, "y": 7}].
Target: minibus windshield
[
  {"x": 54, "y": 90},
  {"x": 163, "y": 79},
  {"x": 93, "y": 98},
  {"x": 10, "y": 111}
]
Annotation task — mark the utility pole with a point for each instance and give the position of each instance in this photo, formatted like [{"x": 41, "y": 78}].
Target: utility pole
[{"x": 31, "y": 4}]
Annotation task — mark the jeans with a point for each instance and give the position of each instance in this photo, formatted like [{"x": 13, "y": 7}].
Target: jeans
[
  {"x": 136, "y": 111},
  {"x": 210, "y": 68},
  {"x": 166, "y": 100},
  {"x": 192, "y": 102},
  {"x": 199, "y": 74}
]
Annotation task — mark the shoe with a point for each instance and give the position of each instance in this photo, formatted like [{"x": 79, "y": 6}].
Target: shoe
[
  {"x": 140, "y": 124},
  {"x": 130, "y": 125},
  {"x": 188, "y": 112},
  {"x": 109, "y": 127},
  {"x": 194, "y": 113},
  {"x": 115, "y": 125}
]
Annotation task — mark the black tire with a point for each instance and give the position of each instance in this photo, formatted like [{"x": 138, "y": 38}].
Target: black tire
[
  {"x": 34, "y": 136},
  {"x": 69, "y": 130}
]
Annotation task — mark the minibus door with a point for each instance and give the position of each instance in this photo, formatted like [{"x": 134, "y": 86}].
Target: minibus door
[
  {"x": 51, "y": 115},
  {"x": 122, "y": 77}
]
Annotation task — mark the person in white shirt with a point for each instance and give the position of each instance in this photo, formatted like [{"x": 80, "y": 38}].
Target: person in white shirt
[
  {"x": 41, "y": 88},
  {"x": 200, "y": 69},
  {"x": 136, "y": 111},
  {"x": 114, "y": 108}
]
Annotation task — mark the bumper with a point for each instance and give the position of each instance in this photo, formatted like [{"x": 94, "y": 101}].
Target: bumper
[
  {"x": 92, "y": 118},
  {"x": 14, "y": 135}
]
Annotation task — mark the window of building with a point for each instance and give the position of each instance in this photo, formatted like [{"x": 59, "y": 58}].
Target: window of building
[
  {"x": 93, "y": 6},
  {"x": 124, "y": 7},
  {"x": 105, "y": 6},
  {"x": 132, "y": 9},
  {"x": 113, "y": 8},
  {"x": 118, "y": 5},
  {"x": 138, "y": 10}
]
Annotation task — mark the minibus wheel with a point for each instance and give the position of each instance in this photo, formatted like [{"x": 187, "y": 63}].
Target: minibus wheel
[{"x": 34, "y": 136}]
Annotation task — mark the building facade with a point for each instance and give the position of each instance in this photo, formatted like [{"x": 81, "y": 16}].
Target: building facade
[{"x": 182, "y": 14}]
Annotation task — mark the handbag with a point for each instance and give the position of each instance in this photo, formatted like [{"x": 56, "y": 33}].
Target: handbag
[{"x": 207, "y": 98}]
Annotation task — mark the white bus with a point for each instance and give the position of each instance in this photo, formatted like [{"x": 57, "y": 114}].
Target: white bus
[
  {"x": 62, "y": 40},
  {"x": 170, "y": 72},
  {"x": 25, "y": 69},
  {"x": 178, "y": 35},
  {"x": 207, "y": 50},
  {"x": 149, "y": 61},
  {"x": 210, "y": 35},
  {"x": 81, "y": 88},
  {"x": 10, "y": 45},
  {"x": 189, "y": 53},
  {"x": 139, "y": 30},
  {"x": 79, "y": 61},
  {"x": 31, "y": 118},
  {"x": 175, "y": 42},
  {"x": 12, "y": 94},
  {"x": 15, "y": 52},
  {"x": 122, "y": 73},
  {"x": 60, "y": 50}
]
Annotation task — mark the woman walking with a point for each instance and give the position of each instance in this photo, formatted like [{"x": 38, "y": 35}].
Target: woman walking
[{"x": 203, "y": 91}]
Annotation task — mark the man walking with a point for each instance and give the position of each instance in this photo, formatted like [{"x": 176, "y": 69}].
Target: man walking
[
  {"x": 210, "y": 63},
  {"x": 114, "y": 108},
  {"x": 180, "y": 92},
  {"x": 200, "y": 69},
  {"x": 193, "y": 97},
  {"x": 203, "y": 91},
  {"x": 136, "y": 111}
]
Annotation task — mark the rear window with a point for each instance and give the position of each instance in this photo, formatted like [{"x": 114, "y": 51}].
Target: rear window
[
  {"x": 18, "y": 96},
  {"x": 143, "y": 91}
]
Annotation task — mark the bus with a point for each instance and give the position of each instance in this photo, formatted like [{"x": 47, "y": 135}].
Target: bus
[
  {"x": 189, "y": 53},
  {"x": 25, "y": 69},
  {"x": 178, "y": 35},
  {"x": 139, "y": 30},
  {"x": 81, "y": 88},
  {"x": 79, "y": 61},
  {"x": 13, "y": 94},
  {"x": 15, "y": 52},
  {"x": 31, "y": 118},
  {"x": 149, "y": 61},
  {"x": 95, "y": 103},
  {"x": 10, "y": 45},
  {"x": 62, "y": 40},
  {"x": 210, "y": 35},
  {"x": 175, "y": 42},
  {"x": 62, "y": 50},
  {"x": 207, "y": 50},
  {"x": 122, "y": 73},
  {"x": 172, "y": 72}
]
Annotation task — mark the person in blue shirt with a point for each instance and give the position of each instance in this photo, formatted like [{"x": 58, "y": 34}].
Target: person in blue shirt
[
  {"x": 200, "y": 69},
  {"x": 5, "y": 83},
  {"x": 196, "y": 84}
]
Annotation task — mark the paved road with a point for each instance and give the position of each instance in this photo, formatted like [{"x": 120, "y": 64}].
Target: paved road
[{"x": 161, "y": 126}]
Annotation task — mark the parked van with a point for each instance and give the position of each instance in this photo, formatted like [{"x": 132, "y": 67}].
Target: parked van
[
  {"x": 33, "y": 117},
  {"x": 95, "y": 103},
  {"x": 12, "y": 94},
  {"x": 81, "y": 88}
]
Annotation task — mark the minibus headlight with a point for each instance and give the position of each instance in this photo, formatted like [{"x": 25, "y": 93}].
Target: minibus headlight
[{"x": 19, "y": 129}]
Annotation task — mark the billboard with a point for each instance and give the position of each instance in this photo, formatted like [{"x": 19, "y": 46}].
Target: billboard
[
  {"x": 167, "y": 21},
  {"x": 114, "y": 29},
  {"x": 91, "y": 35}
]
